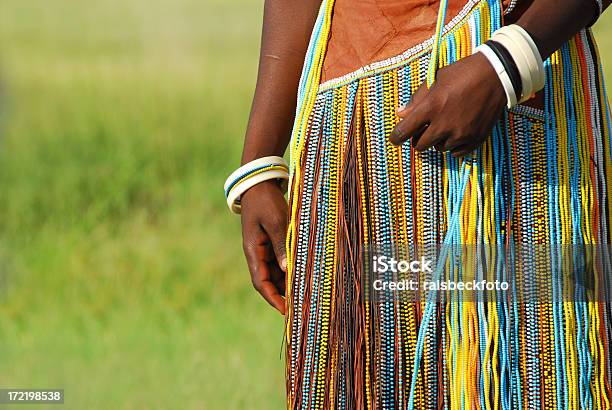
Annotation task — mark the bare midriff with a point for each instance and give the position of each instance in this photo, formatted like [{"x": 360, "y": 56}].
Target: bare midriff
[{"x": 367, "y": 31}]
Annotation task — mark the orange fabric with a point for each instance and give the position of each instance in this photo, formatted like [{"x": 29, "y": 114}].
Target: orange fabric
[{"x": 366, "y": 31}]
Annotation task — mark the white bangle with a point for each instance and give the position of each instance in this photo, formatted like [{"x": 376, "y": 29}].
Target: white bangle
[
  {"x": 539, "y": 78},
  {"x": 251, "y": 174},
  {"x": 503, "y": 76},
  {"x": 526, "y": 57},
  {"x": 521, "y": 62}
]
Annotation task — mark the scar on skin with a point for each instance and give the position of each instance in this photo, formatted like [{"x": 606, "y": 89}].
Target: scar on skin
[{"x": 274, "y": 56}]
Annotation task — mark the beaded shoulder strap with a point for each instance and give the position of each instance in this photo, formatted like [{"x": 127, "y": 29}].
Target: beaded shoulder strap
[
  {"x": 453, "y": 232},
  {"x": 307, "y": 94}
]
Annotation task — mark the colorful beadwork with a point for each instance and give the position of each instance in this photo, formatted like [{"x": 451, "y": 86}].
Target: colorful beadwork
[{"x": 541, "y": 178}]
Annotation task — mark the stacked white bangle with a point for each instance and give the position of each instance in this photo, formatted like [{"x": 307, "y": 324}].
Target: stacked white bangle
[
  {"x": 518, "y": 45},
  {"x": 501, "y": 73},
  {"x": 526, "y": 56},
  {"x": 251, "y": 174}
]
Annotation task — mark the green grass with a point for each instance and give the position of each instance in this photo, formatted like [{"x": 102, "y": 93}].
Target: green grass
[
  {"x": 122, "y": 279},
  {"x": 121, "y": 274}
]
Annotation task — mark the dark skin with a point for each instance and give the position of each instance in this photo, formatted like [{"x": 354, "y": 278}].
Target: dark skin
[
  {"x": 432, "y": 119},
  {"x": 286, "y": 32}
]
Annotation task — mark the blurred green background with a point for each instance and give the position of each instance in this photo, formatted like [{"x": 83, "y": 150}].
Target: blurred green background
[{"x": 121, "y": 273}]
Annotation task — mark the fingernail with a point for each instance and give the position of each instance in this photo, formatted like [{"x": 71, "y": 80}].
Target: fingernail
[{"x": 284, "y": 263}]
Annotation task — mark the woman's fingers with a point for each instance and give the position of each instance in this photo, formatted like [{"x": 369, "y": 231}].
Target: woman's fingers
[
  {"x": 430, "y": 138},
  {"x": 464, "y": 150},
  {"x": 463, "y": 103},
  {"x": 262, "y": 264},
  {"x": 264, "y": 227},
  {"x": 278, "y": 278},
  {"x": 275, "y": 226},
  {"x": 414, "y": 118},
  {"x": 270, "y": 293},
  {"x": 414, "y": 123},
  {"x": 415, "y": 100}
]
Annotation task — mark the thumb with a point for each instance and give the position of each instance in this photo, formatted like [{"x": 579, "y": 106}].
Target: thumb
[
  {"x": 276, "y": 228},
  {"x": 405, "y": 110}
]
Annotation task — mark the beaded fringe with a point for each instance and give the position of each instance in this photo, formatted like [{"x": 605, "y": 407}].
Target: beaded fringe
[{"x": 541, "y": 178}]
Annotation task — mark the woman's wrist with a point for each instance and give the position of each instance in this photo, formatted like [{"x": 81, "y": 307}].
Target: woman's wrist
[
  {"x": 260, "y": 152},
  {"x": 516, "y": 60}
]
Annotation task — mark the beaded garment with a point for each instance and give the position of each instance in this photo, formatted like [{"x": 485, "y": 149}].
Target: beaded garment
[{"x": 540, "y": 178}]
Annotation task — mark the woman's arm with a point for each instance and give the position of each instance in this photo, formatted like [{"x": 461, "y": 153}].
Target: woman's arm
[
  {"x": 553, "y": 22},
  {"x": 456, "y": 115},
  {"x": 286, "y": 31}
]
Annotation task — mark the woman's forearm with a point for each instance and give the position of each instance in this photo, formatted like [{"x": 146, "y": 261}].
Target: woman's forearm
[
  {"x": 286, "y": 31},
  {"x": 552, "y": 22}
]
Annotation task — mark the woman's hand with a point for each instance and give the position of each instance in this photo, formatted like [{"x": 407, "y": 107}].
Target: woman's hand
[
  {"x": 264, "y": 227},
  {"x": 457, "y": 113},
  {"x": 285, "y": 35}
]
